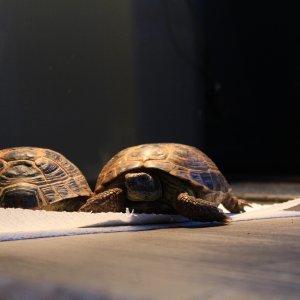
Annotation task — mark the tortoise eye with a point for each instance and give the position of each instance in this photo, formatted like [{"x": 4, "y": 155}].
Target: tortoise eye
[
  {"x": 46, "y": 165},
  {"x": 1, "y": 165}
]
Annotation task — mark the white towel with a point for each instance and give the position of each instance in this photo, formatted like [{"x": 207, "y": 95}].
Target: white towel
[{"x": 16, "y": 224}]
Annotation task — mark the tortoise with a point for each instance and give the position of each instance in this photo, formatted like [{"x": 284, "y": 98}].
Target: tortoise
[
  {"x": 164, "y": 178},
  {"x": 40, "y": 178}
]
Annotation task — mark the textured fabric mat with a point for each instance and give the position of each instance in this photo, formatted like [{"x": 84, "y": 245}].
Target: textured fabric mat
[{"x": 16, "y": 224}]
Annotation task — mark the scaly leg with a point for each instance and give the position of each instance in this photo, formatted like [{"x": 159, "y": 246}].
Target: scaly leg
[
  {"x": 198, "y": 209},
  {"x": 112, "y": 200},
  {"x": 235, "y": 205}
]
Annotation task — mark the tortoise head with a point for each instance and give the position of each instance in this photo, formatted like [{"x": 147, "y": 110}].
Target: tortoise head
[
  {"x": 142, "y": 187},
  {"x": 23, "y": 195}
]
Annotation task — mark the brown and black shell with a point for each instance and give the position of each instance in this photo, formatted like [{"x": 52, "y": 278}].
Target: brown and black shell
[
  {"x": 184, "y": 162},
  {"x": 54, "y": 176}
]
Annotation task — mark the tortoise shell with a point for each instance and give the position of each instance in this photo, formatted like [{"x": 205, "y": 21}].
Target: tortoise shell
[
  {"x": 182, "y": 161},
  {"x": 50, "y": 174}
]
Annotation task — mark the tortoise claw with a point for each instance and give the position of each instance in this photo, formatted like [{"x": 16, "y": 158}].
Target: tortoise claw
[{"x": 235, "y": 205}]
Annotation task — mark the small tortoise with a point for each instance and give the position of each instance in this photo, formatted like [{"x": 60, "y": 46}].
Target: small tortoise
[
  {"x": 163, "y": 178},
  {"x": 40, "y": 179}
]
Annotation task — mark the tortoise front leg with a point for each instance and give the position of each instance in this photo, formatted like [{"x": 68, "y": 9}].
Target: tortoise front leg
[
  {"x": 112, "y": 200},
  {"x": 198, "y": 209}
]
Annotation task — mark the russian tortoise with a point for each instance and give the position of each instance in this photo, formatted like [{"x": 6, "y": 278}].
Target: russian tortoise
[
  {"x": 163, "y": 178},
  {"x": 39, "y": 178}
]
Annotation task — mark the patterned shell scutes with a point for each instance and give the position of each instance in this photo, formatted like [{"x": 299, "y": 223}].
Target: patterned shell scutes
[
  {"x": 185, "y": 162},
  {"x": 55, "y": 177}
]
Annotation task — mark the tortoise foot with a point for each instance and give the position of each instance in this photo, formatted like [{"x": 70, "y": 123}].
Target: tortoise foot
[
  {"x": 108, "y": 201},
  {"x": 199, "y": 209},
  {"x": 235, "y": 205}
]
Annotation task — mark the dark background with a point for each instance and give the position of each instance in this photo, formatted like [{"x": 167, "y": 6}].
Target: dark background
[{"x": 88, "y": 78}]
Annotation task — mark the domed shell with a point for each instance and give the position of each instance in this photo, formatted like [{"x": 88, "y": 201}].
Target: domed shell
[
  {"x": 182, "y": 161},
  {"x": 54, "y": 176}
]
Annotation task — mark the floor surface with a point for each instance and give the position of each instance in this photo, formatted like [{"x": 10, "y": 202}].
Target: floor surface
[{"x": 244, "y": 260}]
